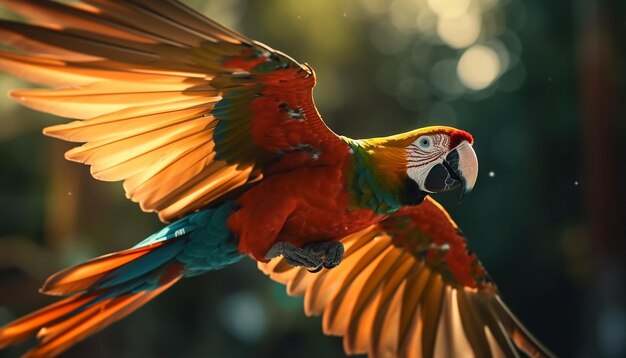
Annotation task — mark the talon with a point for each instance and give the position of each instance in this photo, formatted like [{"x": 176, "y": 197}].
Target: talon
[
  {"x": 295, "y": 256},
  {"x": 317, "y": 269},
  {"x": 314, "y": 256},
  {"x": 332, "y": 252}
]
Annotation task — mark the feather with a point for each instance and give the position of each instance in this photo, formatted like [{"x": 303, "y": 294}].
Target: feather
[
  {"x": 96, "y": 318},
  {"x": 520, "y": 335},
  {"x": 432, "y": 302},
  {"x": 362, "y": 298},
  {"x": 84, "y": 106},
  {"x": 80, "y": 277},
  {"x": 146, "y": 21},
  {"x": 145, "y": 18},
  {"x": 208, "y": 190},
  {"x": 21, "y": 42},
  {"x": 281, "y": 267},
  {"x": 113, "y": 151},
  {"x": 190, "y": 20},
  {"x": 108, "y": 126},
  {"x": 339, "y": 280},
  {"x": 314, "y": 298},
  {"x": 388, "y": 291},
  {"x": 472, "y": 326},
  {"x": 160, "y": 196},
  {"x": 152, "y": 160},
  {"x": 157, "y": 182},
  {"x": 339, "y": 312},
  {"x": 90, "y": 44},
  {"x": 450, "y": 340},
  {"x": 25, "y": 326},
  {"x": 416, "y": 287},
  {"x": 76, "y": 18},
  {"x": 496, "y": 333},
  {"x": 386, "y": 343},
  {"x": 48, "y": 333},
  {"x": 297, "y": 285},
  {"x": 53, "y": 72}
]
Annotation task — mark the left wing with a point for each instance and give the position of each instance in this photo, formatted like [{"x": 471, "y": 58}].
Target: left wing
[
  {"x": 409, "y": 287},
  {"x": 180, "y": 108}
]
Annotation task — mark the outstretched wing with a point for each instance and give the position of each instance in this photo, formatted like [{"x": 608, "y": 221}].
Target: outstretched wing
[
  {"x": 180, "y": 108},
  {"x": 409, "y": 287}
]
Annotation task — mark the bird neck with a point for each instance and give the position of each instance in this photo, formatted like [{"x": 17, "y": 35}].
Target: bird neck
[{"x": 377, "y": 177}]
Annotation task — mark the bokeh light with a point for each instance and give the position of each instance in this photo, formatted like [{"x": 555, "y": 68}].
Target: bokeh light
[
  {"x": 243, "y": 315},
  {"x": 459, "y": 32},
  {"x": 432, "y": 32},
  {"x": 478, "y": 67},
  {"x": 449, "y": 8}
]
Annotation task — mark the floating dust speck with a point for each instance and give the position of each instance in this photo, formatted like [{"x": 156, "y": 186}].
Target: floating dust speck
[{"x": 492, "y": 174}]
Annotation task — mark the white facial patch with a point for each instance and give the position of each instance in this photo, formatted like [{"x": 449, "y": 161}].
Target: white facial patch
[{"x": 424, "y": 153}]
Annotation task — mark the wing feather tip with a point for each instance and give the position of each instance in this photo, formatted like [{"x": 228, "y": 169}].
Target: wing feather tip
[
  {"x": 56, "y": 131},
  {"x": 18, "y": 95}
]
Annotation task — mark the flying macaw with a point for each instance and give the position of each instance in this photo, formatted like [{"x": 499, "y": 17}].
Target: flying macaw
[{"x": 218, "y": 134}]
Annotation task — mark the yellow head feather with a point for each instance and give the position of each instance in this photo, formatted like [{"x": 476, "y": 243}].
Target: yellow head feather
[
  {"x": 379, "y": 177},
  {"x": 389, "y": 154}
]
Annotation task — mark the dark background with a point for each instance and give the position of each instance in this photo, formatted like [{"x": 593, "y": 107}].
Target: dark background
[{"x": 540, "y": 85}]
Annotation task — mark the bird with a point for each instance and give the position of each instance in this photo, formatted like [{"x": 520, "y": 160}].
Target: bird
[{"x": 218, "y": 134}]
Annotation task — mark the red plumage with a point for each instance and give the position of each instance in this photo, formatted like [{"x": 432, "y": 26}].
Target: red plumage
[{"x": 301, "y": 206}]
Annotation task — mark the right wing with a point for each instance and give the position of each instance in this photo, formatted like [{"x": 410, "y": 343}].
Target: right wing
[{"x": 409, "y": 287}]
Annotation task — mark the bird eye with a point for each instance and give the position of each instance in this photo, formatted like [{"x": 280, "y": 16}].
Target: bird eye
[{"x": 424, "y": 142}]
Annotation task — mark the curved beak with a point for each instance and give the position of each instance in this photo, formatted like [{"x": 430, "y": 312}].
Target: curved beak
[{"x": 458, "y": 169}]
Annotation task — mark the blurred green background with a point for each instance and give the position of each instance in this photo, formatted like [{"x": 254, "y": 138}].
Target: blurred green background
[{"x": 540, "y": 85}]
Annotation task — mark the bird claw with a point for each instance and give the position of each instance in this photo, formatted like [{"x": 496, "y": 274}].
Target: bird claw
[
  {"x": 316, "y": 270},
  {"x": 314, "y": 256},
  {"x": 330, "y": 251}
]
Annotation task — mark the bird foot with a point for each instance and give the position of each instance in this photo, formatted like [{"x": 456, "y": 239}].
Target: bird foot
[{"x": 314, "y": 256}]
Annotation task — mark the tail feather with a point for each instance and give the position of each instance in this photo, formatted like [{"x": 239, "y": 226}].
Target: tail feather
[
  {"x": 109, "y": 288},
  {"x": 104, "y": 290},
  {"x": 81, "y": 277},
  {"x": 27, "y": 325},
  {"x": 143, "y": 265},
  {"x": 63, "y": 335}
]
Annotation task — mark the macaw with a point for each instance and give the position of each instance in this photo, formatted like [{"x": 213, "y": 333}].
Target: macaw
[{"x": 218, "y": 134}]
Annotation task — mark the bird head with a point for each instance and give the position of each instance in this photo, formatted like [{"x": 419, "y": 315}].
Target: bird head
[
  {"x": 402, "y": 169},
  {"x": 441, "y": 159}
]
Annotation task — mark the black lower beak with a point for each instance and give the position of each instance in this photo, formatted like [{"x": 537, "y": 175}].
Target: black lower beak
[
  {"x": 452, "y": 174},
  {"x": 442, "y": 178}
]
